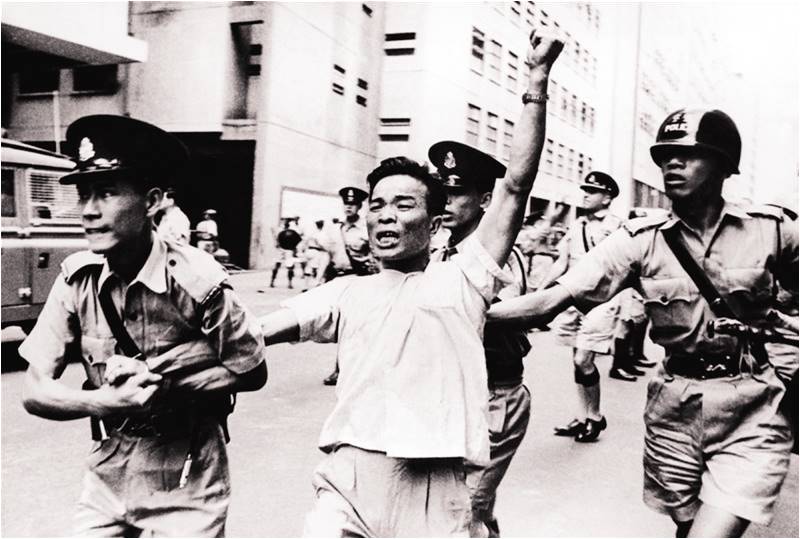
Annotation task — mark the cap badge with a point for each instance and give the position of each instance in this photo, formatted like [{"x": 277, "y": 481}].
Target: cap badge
[
  {"x": 449, "y": 160},
  {"x": 86, "y": 149}
]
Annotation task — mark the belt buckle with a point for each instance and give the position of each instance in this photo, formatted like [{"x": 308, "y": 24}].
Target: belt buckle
[{"x": 703, "y": 368}]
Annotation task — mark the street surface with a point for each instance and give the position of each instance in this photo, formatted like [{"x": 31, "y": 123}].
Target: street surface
[{"x": 554, "y": 488}]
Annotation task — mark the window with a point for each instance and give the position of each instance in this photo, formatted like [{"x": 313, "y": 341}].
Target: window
[
  {"x": 581, "y": 169},
  {"x": 548, "y": 156},
  {"x": 591, "y": 119},
  {"x": 400, "y": 43},
  {"x": 516, "y": 10},
  {"x": 584, "y": 115},
  {"x": 508, "y": 136},
  {"x": 573, "y": 109},
  {"x": 367, "y": 10},
  {"x": 394, "y": 129},
  {"x": 9, "y": 195},
  {"x": 529, "y": 14},
  {"x": 562, "y": 111},
  {"x": 473, "y": 124},
  {"x": 511, "y": 72},
  {"x": 38, "y": 81},
  {"x": 361, "y": 100},
  {"x": 571, "y": 165},
  {"x": 495, "y": 51},
  {"x": 560, "y": 161},
  {"x": 478, "y": 44},
  {"x": 491, "y": 133},
  {"x": 338, "y": 79},
  {"x": 101, "y": 79},
  {"x": 552, "y": 95},
  {"x": 544, "y": 19}
]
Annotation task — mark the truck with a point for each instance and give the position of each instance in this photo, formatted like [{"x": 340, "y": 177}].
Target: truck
[{"x": 41, "y": 226}]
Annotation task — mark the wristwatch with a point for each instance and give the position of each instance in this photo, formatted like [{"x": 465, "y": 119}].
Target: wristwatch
[{"x": 533, "y": 98}]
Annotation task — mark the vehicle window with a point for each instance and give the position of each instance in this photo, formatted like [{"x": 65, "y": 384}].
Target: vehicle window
[
  {"x": 9, "y": 208},
  {"x": 52, "y": 200}
]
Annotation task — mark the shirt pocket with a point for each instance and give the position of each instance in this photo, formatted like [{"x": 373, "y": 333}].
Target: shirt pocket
[
  {"x": 95, "y": 352},
  {"x": 749, "y": 291},
  {"x": 669, "y": 304}
]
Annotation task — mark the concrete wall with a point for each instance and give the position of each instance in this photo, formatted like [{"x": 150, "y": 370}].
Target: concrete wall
[{"x": 309, "y": 137}]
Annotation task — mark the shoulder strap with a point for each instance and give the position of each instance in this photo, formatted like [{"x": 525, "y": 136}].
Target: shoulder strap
[
  {"x": 707, "y": 289},
  {"x": 524, "y": 283},
  {"x": 587, "y": 245},
  {"x": 123, "y": 338}
]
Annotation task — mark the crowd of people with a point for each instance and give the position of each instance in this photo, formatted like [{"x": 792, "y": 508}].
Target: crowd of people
[{"x": 431, "y": 405}]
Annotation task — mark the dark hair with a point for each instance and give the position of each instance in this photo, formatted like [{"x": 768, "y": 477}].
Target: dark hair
[{"x": 436, "y": 197}]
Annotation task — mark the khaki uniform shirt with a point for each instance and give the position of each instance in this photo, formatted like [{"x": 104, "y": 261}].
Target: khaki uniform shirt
[
  {"x": 180, "y": 296},
  {"x": 749, "y": 249},
  {"x": 351, "y": 245},
  {"x": 586, "y": 232}
]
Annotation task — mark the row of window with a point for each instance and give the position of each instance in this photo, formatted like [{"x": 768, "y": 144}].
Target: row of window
[
  {"x": 563, "y": 162},
  {"x": 531, "y": 14},
  {"x": 338, "y": 85},
  {"x": 400, "y": 43},
  {"x": 100, "y": 79},
  {"x": 575, "y": 55},
  {"x": 569, "y": 108},
  {"x": 497, "y": 136},
  {"x": 394, "y": 129},
  {"x": 489, "y": 59}
]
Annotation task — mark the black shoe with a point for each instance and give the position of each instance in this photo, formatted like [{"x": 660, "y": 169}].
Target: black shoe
[
  {"x": 332, "y": 379},
  {"x": 633, "y": 370},
  {"x": 643, "y": 362},
  {"x": 620, "y": 374},
  {"x": 570, "y": 429},
  {"x": 591, "y": 430}
]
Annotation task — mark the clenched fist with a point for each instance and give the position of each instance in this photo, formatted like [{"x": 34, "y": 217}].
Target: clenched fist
[{"x": 545, "y": 48}]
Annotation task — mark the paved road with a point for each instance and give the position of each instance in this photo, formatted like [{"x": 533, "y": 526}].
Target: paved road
[{"x": 555, "y": 487}]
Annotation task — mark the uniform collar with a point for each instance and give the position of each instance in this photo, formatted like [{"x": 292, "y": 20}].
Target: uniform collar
[
  {"x": 599, "y": 215},
  {"x": 727, "y": 209},
  {"x": 152, "y": 274}
]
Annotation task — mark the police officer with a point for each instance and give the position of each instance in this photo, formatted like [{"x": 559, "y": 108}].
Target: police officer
[
  {"x": 351, "y": 254},
  {"x": 287, "y": 241},
  {"x": 208, "y": 232},
  {"x": 593, "y": 333},
  {"x": 716, "y": 447},
  {"x": 469, "y": 176},
  {"x": 162, "y": 337}
]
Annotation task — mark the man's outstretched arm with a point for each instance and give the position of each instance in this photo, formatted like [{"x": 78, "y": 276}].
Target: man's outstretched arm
[
  {"x": 503, "y": 219},
  {"x": 531, "y": 309}
]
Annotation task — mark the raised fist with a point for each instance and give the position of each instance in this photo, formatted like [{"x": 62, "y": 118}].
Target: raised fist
[{"x": 545, "y": 48}]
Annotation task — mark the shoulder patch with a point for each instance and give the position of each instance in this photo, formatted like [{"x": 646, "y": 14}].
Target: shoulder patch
[
  {"x": 82, "y": 260},
  {"x": 765, "y": 210},
  {"x": 640, "y": 224},
  {"x": 194, "y": 270}
]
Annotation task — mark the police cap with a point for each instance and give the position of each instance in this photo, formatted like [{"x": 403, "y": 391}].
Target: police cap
[
  {"x": 600, "y": 181},
  {"x": 105, "y": 143},
  {"x": 460, "y": 165},
  {"x": 353, "y": 195}
]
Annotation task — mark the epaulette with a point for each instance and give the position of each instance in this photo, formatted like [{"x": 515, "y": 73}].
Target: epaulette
[
  {"x": 195, "y": 271},
  {"x": 765, "y": 210},
  {"x": 640, "y": 224},
  {"x": 74, "y": 264}
]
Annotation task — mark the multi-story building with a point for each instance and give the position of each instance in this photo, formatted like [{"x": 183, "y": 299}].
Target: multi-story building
[
  {"x": 457, "y": 71},
  {"x": 277, "y": 103}
]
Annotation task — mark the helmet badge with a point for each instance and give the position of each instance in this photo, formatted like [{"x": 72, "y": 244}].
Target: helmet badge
[
  {"x": 676, "y": 123},
  {"x": 449, "y": 160}
]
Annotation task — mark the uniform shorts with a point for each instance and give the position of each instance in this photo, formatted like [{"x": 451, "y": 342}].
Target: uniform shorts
[
  {"x": 287, "y": 257},
  {"x": 593, "y": 331},
  {"x": 720, "y": 442},
  {"x": 362, "y": 493}
]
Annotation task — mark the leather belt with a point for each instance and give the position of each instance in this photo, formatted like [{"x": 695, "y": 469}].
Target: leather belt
[{"x": 705, "y": 366}]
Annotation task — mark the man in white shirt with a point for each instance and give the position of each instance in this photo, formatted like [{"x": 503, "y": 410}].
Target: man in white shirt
[{"x": 412, "y": 393}]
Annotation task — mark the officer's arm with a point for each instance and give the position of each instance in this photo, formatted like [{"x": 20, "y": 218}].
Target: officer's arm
[
  {"x": 47, "y": 397},
  {"x": 503, "y": 219},
  {"x": 531, "y": 309},
  {"x": 280, "y": 326}
]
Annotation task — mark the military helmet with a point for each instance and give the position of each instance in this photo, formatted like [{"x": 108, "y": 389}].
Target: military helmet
[{"x": 710, "y": 129}]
